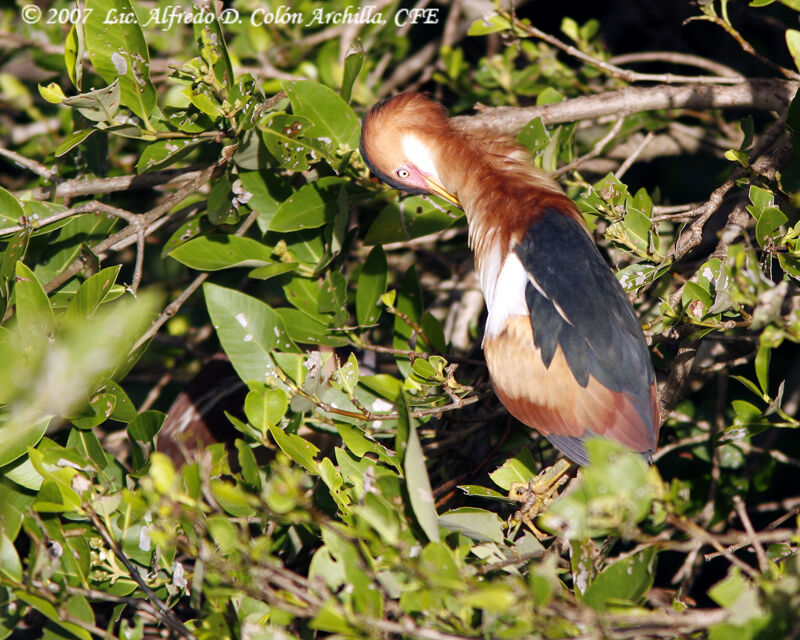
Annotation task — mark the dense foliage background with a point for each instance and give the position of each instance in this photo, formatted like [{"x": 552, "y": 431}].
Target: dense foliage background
[{"x": 177, "y": 188}]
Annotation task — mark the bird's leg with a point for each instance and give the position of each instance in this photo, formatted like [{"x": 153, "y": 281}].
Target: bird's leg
[{"x": 536, "y": 494}]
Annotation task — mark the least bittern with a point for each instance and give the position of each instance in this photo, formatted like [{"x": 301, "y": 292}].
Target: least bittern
[{"x": 564, "y": 348}]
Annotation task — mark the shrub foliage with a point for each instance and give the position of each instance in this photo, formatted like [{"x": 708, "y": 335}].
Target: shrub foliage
[{"x": 175, "y": 187}]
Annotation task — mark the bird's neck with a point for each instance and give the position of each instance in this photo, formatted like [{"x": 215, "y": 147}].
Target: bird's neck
[{"x": 501, "y": 192}]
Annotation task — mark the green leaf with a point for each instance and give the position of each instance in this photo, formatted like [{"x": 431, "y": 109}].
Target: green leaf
[
  {"x": 248, "y": 330},
  {"x": 10, "y": 209},
  {"x": 626, "y": 580},
  {"x": 793, "y": 43},
  {"x": 119, "y": 51},
  {"x": 10, "y": 564},
  {"x": 478, "y": 524},
  {"x": 371, "y": 286},
  {"x": 534, "y": 135},
  {"x": 335, "y": 122},
  {"x": 100, "y": 105},
  {"x": 267, "y": 191},
  {"x": 72, "y": 141},
  {"x": 44, "y": 607},
  {"x": 287, "y": 138},
  {"x": 34, "y": 315},
  {"x": 760, "y": 198},
  {"x": 520, "y": 469},
  {"x": 419, "y": 487},
  {"x": 352, "y": 66},
  {"x": 162, "y": 153},
  {"x": 215, "y": 252},
  {"x": 91, "y": 294},
  {"x": 769, "y": 223},
  {"x": 313, "y": 205},
  {"x": 481, "y": 492},
  {"x": 489, "y": 24},
  {"x": 411, "y": 218},
  {"x": 272, "y": 270},
  {"x": 762, "y": 367},
  {"x": 298, "y": 449},
  {"x": 52, "y": 93}
]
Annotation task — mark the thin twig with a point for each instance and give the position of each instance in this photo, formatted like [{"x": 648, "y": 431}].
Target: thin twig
[
  {"x": 675, "y": 57},
  {"x": 596, "y": 150},
  {"x": 697, "y": 532},
  {"x": 27, "y": 163},
  {"x": 748, "y": 48},
  {"x": 614, "y": 70},
  {"x": 633, "y": 156},
  {"x": 174, "y": 306},
  {"x": 98, "y": 186},
  {"x": 146, "y": 219},
  {"x": 741, "y": 511},
  {"x": 167, "y": 615}
]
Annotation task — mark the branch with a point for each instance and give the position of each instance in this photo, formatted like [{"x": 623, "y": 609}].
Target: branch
[
  {"x": 176, "y": 304},
  {"x": 145, "y": 219},
  {"x": 27, "y": 163},
  {"x": 675, "y": 57},
  {"x": 759, "y": 94},
  {"x": 81, "y": 187},
  {"x": 168, "y": 616},
  {"x": 612, "y": 69},
  {"x": 595, "y": 151}
]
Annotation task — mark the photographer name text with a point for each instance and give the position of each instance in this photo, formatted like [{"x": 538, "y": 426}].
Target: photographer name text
[{"x": 165, "y": 18}]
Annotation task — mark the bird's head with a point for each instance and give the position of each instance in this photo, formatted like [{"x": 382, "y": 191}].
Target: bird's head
[{"x": 401, "y": 140}]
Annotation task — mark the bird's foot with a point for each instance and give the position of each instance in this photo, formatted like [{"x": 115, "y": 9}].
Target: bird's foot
[{"x": 538, "y": 493}]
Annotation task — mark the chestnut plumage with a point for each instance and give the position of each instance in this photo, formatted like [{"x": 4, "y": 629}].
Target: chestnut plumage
[{"x": 564, "y": 348}]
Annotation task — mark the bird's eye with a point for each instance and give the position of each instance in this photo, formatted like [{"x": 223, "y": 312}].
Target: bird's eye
[{"x": 403, "y": 173}]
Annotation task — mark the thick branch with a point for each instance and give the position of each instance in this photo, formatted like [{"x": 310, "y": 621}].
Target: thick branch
[{"x": 760, "y": 94}]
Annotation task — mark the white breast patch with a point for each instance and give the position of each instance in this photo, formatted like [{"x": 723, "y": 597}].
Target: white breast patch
[{"x": 504, "y": 293}]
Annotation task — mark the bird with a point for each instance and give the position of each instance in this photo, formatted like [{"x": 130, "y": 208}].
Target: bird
[{"x": 564, "y": 349}]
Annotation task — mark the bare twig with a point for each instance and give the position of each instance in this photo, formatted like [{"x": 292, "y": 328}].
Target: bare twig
[
  {"x": 166, "y": 614},
  {"x": 614, "y": 70},
  {"x": 697, "y": 532},
  {"x": 741, "y": 511},
  {"x": 636, "y": 152},
  {"x": 596, "y": 150},
  {"x": 748, "y": 48},
  {"x": 145, "y": 219},
  {"x": 174, "y": 306},
  {"x": 27, "y": 163},
  {"x": 97, "y": 186},
  {"x": 675, "y": 57}
]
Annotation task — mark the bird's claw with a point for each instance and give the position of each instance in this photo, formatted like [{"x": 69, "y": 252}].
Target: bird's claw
[{"x": 538, "y": 493}]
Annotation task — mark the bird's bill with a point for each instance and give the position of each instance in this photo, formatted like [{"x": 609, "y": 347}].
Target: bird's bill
[{"x": 440, "y": 191}]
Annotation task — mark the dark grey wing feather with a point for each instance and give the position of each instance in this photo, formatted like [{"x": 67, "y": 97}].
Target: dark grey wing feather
[{"x": 576, "y": 303}]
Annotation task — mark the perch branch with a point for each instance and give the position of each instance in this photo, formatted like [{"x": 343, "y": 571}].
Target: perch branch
[{"x": 759, "y": 94}]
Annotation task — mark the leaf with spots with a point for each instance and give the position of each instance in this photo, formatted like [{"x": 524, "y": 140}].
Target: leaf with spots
[
  {"x": 99, "y": 105},
  {"x": 313, "y": 205},
  {"x": 118, "y": 51},
  {"x": 163, "y": 153},
  {"x": 248, "y": 330},
  {"x": 10, "y": 209},
  {"x": 335, "y": 122},
  {"x": 286, "y": 140}
]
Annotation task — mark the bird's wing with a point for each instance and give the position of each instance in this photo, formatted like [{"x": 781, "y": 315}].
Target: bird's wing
[{"x": 588, "y": 370}]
